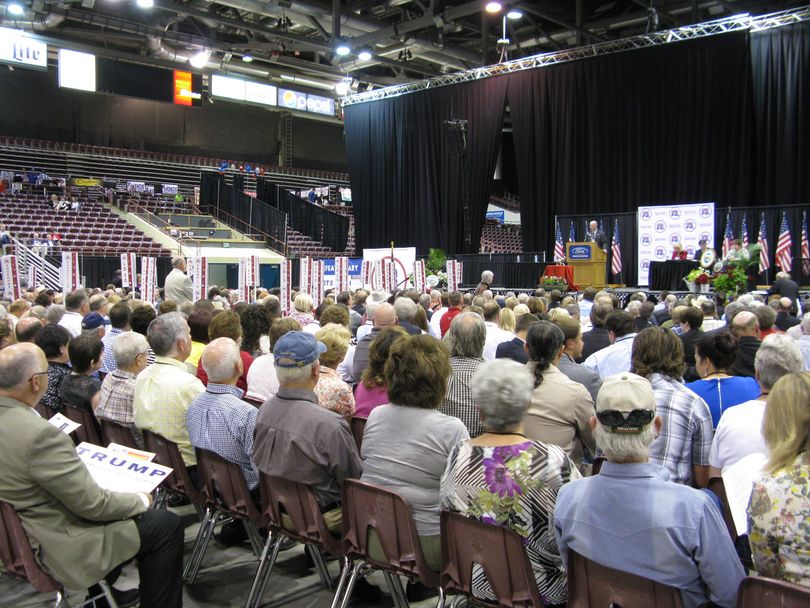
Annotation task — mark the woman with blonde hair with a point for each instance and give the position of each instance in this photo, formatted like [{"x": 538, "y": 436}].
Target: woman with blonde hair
[
  {"x": 506, "y": 320},
  {"x": 332, "y": 392},
  {"x": 779, "y": 511},
  {"x": 303, "y": 309}
]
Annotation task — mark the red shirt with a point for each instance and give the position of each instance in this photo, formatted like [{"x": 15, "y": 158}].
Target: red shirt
[
  {"x": 679, "y": 255},
  {"x": 447, "y": 318}
]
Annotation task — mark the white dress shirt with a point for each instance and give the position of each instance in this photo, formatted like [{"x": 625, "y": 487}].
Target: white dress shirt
[
  {"x": 495, "y": 336},
  {"x": 612, "y": 359}
]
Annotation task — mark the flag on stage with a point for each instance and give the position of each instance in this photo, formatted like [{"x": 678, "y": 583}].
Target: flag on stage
[
  {"x": 616, "y": 250},
  {"x": 559, "y": 248},
  {"x": 744, "y": 232},
  {"x": 764, "y": 254},
  {"x": 805, "y": 245},
  {"x": 572, "y": 233},
  {"x": 727, "y": 236},
  {"x": 784, "y": 258}
]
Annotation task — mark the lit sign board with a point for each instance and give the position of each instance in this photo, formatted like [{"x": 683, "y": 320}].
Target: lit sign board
[
  {"x": 184, "y": 94},
  {"x": 264, "y": 94},
  {"x": 243, "y": 90},
  {"x": 296, "y": 100},
  {"x": 77, "y": 70},
  {"x": 19, "y": 48},
  {"x": 320, "y": 105}
]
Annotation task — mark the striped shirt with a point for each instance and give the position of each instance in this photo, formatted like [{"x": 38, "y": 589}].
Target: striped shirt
[
  {"x": 108, "y": 361},
  {"x": 116, "y": 401},
  {"x": 458, "y": 400}
]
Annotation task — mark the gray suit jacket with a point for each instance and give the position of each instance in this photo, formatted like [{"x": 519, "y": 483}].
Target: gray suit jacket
[
  {"x": 579, "y": 373},
  {"x": 178, "y": 287},
  {"x": 79, "y": 531}
]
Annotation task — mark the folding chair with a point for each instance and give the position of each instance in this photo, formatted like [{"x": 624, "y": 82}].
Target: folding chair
[
  {"x": 498, "y": 551},
  {"x": 358, "y": 425},
  {"x": 88, "y": 431},
  {"x": 19, "y": 561},
  {"x": 762, "y": 592},
  {"x": 591, "y": 585},
  {"x": 113, "y": 432},
  {"x": 365, "y": 508}
]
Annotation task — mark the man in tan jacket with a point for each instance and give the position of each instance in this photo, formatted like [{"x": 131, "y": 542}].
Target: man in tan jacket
[{"x": 80, "y": 532}]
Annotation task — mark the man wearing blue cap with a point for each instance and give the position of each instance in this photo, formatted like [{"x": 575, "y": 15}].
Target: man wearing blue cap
[{"x": 296, "y": 438}]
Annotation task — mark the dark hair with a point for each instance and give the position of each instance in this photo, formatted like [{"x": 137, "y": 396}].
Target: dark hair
[
  {"x": 225, "y": 324},
  {"x": 83, "y": 351},
  {"x": 491, "y": 311},
  {"x": 255, "y": 322},
  {"x": 378, "y": 351},
  {"x": 570, "y": 327},
  {"x": 455, "y": 298},
  {"x": 43, "y": 299},
  {"x": 599, "y": 312},
  {"x": 27, "y": 334},
  {"x": 281, "y": 327},
  {"x": 273, "y": 308},
  {"x": 335, "y": 313},
  {"x": 141, "y": 318},
  {"x": 620, "y": 323},
  {"x": 120, "y": 315},
  {"x": 75, "y": 299},
  {"x": 343, "y": 298},
  {"x": 766, "y": 317},
  {"x": 646, "y": 310},
  {"x": 543, "y": 341},
  {"x": 660, "y": 350},
  {"x": 417, "y": 370},
  {"x": 692, "y": 315},
  {"x": 51, "y": 339},
  {"x": 719, "y": 348},
  {"x": 198, "y": 322},
  {"x": 167, "y": 306}
]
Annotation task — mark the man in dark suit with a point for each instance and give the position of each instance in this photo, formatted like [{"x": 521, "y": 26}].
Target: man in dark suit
[
  {"x": 746, "y": 328},
  {"x": 785, "y": 320},
  {"x": 597, "y": 235},
  {"x": 515, "y": 349},
  {"x": 597, "y": 338},
  {"x": 787, "y": 288},
  {"x": 704, "y": 246}
]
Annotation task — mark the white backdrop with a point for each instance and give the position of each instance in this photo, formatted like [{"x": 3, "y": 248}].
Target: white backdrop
[
  {"x": 659, "y": 227},
  {"x": 404, "y": 257}
]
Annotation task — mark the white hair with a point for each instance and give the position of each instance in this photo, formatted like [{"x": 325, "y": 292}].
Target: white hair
[
  {"x": 806, "y": 323},
  {"x": 487, "y": 276},
  {"x": 621, "y": 447},
  {"x": 178, "y": 261},
  {"x": 502, "y": 391},
  {"x": 405, "y": 309},
  {"x": 777, "y": 356},
  {"x": 127, "y": 347},
  {"x": 221, "y": 368},
  {"x": 294, "y": 375}
]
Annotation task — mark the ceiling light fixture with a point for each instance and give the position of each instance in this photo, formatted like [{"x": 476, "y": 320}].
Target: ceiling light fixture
[
  {"x": 493, "y": 7},
  {"x": 342, "y": 49},
  {"x": 514, "y": 14},
  {"x": 247, "y": 58},
  {"x": 342, "y": 88},
  {"x": 200, "y": 60},
  {"x": 145, "y": 3},
  {"x": 364, "y": 55},
  {"x": 16, "y": 9}
]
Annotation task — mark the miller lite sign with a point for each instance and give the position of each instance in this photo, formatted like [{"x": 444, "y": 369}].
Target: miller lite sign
[{"x": 20, "y": 48}]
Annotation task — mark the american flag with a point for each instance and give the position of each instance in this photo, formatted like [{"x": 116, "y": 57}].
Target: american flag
[
  {"x": 744, "y": 232},
  {"x": 784, "y": 259},
  {"x": 727, "y": 236},
  {"x": 572, "y": 233},
  {"x": 764, "y": 254},
  {"x": 805, "y": 245},
  {"x": 559, "y": 249},
  {"x": 616, "y": 250}
]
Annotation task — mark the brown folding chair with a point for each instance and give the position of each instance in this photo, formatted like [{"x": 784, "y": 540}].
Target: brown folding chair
[
  {"x": 114, "y": 432},
  {"x": 18, "y": 558},
  {"x": 297, "y": 502},
  {"x": 367, "y": 507},
  {"x": 717, "y": 486},
  {"x": 88, "y": 431},
  {"x": 591, "y": 585},
  {"x": 762, "y": 592},
  {"x": 358, "y": 425},
  {"x": 179, "y": 481},
  {"x": 44, "y": 411},
  {"x": 498, "y": 551}
]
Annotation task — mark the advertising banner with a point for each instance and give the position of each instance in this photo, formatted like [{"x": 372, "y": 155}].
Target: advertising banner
[
  {"x": 129, "y": 276},
  {"x": 19, "y": 48},
  {"x": 70, "y": 273},
  {"x": 454, "y": 270},
  {"x": 149, "y": 280},
  {"x": 285, "y": 276},
  {"x": 341, "y": 273},
  {"x": 11, "y": 277},
  {"x": 198, "y": 270},
  {"x": 419, "y": 277}
]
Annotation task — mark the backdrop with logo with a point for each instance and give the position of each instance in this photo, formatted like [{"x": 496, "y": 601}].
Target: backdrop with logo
[{"x": 660, "y": 227}]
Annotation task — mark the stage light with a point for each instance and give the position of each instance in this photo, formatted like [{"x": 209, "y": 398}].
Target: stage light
[
  {"x": 145, "y": 3},
  {"x": 16, "y": 9},
  {"x": 364, "y": 55},
  {"x": 247, "y": 58},
  {"x": 493, "y": 7},
  {"x": 200, "y": 60},
  {"x": 342, "y": 88},
  {"x": 342, "y": 49},
  {"x": 514, "y": 14}
]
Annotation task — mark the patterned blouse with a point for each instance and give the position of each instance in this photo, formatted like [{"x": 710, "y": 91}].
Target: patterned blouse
[
  {"x": 334, "y": 394},
  {"x": 514, "y": 486},
  {"x": 56, "y": 372},
  {"x": 779, "y": 523}
]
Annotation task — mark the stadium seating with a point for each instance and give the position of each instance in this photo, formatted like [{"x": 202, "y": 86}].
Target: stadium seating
[{"x": 501, "y": 238}]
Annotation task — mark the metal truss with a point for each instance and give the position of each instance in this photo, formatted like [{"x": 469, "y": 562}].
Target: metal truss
[{"x": 737, "y": 23}]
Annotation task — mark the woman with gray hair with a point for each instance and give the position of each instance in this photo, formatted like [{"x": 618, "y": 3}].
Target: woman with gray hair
[
  {"x": 502, "y": 477},
  {"x": 486, "y": 280}
]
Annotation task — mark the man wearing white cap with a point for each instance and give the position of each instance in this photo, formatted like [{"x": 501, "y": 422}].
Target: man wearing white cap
[{"x": 631, "y": 518}]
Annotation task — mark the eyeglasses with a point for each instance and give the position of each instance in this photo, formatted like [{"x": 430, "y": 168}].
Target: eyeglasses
[
  {"x": 636, "y": 418},
  {"x": 37, "y": 374}
]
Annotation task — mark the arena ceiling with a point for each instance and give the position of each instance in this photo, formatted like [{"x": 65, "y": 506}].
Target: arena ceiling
[{"x": 296, "y": 41}]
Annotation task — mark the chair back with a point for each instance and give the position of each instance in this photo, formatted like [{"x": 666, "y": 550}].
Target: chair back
[
  {"x": 358, "y": 425},
  {"x": 367, "y": 507},
  {"x": 168, "y": 454},
  {"x": 254, "y": 402},
  {"x": 500, "y": 553},
  {"x": 717, "y": 486},
  {"x": 43, "y": 410},
  {"x": 591, "y": 585},
  {"x": 114, "y": 432},
  {"x": 298, "y": 503},
  {"x": 761, "y": 592},
  {"x": 88, "y": 431},
  {"x": 16, "y": 552},
  {"x": 224, "y": 485}
]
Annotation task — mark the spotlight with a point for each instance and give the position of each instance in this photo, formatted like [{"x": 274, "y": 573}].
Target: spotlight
[
  {"x": 364, "y": 55},
  {"x": 342, "y": 88},
  {"x": 16, "y": 9},
  {"x": 247, "y": 58},
  {"x": 342, "y": 49},
  {"x": 514, "y": 14},
  {"x": 145, "y": 3},
  {"x": 493, "y": 7},
  {"x": 200, "y": 60}
]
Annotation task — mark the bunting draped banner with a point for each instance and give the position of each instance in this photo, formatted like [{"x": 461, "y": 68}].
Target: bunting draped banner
[
  {"x": 285, "y": 277},
  {"x": 33, "y": 276},
  {"x": 198, "y": 269},
  {"x": 129, "y": 277},
  {"x": 305, "y": 275},
  {"x": 342, "y": 273},
  {"x": 316, "y": 282},
  {"x": 366, "y": 270},
  {"x": 70, "y": 274},
  {"x": 148, "y": 280},
  {"x": 248, "y": 276},
  {"x": 419, "y": 276},
  {"x": 389, "y": 275},
  {"x": 454, "y": 274},
  {"x": 11, "y": 277}
]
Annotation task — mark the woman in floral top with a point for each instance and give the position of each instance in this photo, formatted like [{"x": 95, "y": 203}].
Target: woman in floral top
[
  {"x": 503, "y": 478},
  {"x": 779, "y": 511},
  {"x": 333, "y": 393}
]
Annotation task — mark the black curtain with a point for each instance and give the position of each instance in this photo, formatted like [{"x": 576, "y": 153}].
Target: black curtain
[
  {"x": 407, "y": 185},
  {"x": 99, "y": 270},
  {"x": 662, "y": 125},
  {"x": 327, "y": 227}
]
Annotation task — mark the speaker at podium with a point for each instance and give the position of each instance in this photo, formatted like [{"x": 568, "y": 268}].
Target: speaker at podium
[{"x": 588, "y": 262}]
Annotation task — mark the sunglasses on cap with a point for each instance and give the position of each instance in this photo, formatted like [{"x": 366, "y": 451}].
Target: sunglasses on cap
[{"x": 616, "y": 419}]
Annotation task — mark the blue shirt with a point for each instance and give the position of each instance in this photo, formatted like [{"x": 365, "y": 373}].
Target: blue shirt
[
  {"x": 631, "y": 518},
  {"x": 723, "y": 393},
  {"x": 108, "y": 359},
  {"x": 219, "y": 421}
]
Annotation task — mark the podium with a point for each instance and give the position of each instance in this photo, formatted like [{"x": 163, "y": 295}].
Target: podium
[{"x": 588, "y": 262}]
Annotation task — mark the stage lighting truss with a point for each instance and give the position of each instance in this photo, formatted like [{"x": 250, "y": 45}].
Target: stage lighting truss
[{"x": 736, "y": 23}]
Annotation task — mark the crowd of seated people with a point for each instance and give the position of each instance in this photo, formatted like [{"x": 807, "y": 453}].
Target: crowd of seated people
[{"x": 500, "y": 407}]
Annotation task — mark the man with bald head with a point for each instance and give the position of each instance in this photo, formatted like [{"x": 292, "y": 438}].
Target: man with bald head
[
  {"x": 27, "y": 329},
  {"x": 745, "y": 328},
  {"x": 785, "y": 320},
  {"x": 83, "y": 532},
  {"x": 384, "y": 316}
]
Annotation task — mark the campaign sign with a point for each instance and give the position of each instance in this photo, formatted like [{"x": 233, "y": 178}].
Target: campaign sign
[
  {"x": 118, "y": 472},
  {"x": 579, "y": 252}
]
